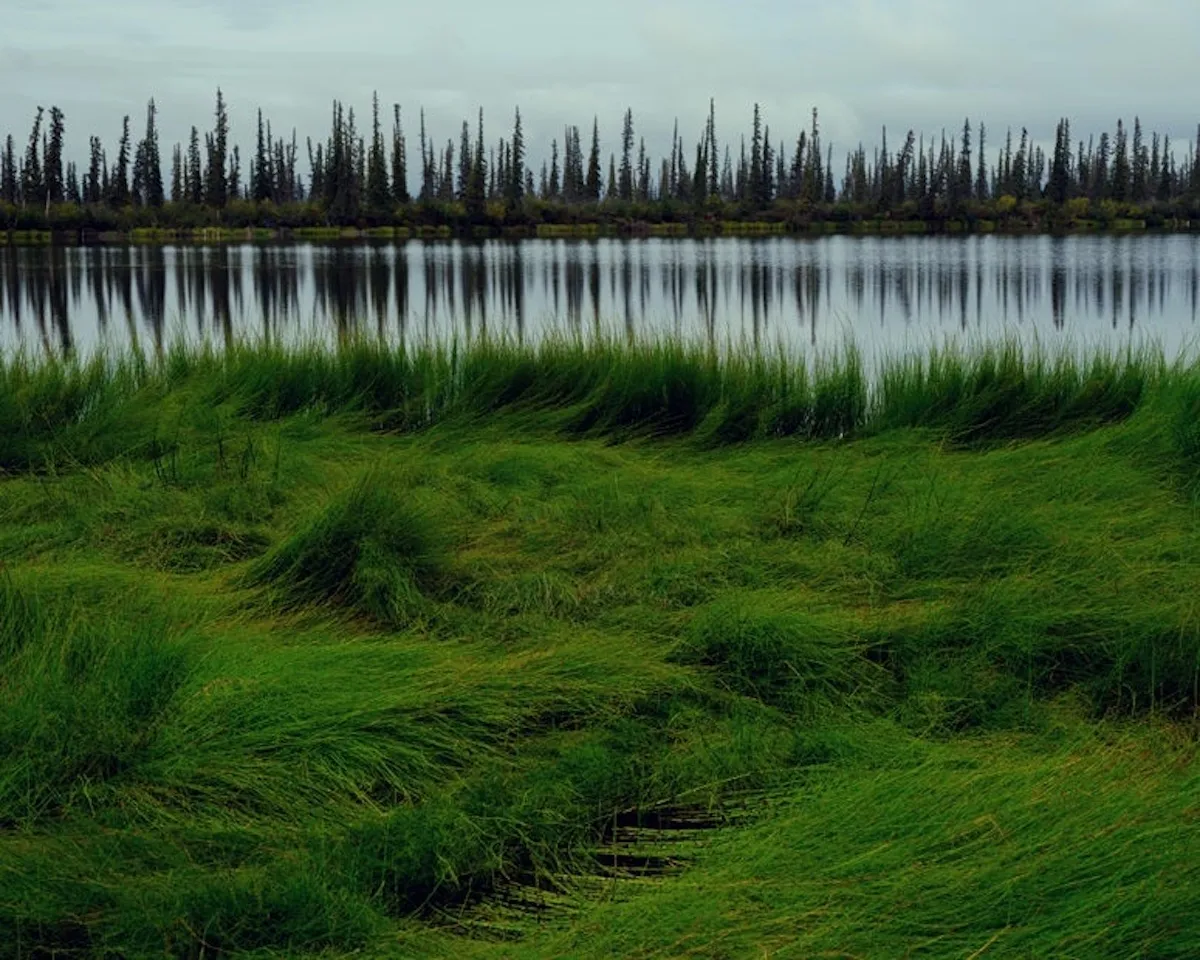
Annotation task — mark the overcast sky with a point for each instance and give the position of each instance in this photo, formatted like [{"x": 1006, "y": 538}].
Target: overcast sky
[{"x": 924, "y": 64}]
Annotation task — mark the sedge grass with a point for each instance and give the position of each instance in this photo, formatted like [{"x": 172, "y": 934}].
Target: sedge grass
[{"x": 318, "y": 653}]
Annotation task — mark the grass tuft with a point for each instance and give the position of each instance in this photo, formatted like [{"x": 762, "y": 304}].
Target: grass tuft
[{"x": 370, "y": 550}]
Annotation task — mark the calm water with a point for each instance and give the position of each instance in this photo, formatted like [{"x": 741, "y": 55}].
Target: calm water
[{"x": 885, "y": 293}]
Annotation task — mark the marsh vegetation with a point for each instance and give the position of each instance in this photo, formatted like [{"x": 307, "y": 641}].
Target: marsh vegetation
[{"x": 595, "y": 649}]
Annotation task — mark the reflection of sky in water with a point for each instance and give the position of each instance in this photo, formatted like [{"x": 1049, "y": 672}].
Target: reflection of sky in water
[{"x": 886, "y": 294}]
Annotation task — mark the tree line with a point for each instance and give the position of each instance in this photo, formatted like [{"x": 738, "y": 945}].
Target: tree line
[{"x": 363, "y": 177}]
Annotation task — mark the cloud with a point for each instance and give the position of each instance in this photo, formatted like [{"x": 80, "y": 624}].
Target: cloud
[{"x": 924, "y": 64}]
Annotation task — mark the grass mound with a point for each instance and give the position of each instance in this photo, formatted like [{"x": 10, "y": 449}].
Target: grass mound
[
  {"x": 784, "y": 657},
  {"x": 80, "y": 702},
  {"x": 371, "y": 550}
]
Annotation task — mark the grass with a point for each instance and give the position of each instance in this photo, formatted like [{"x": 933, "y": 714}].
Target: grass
[{"x": 352, "y": 652}]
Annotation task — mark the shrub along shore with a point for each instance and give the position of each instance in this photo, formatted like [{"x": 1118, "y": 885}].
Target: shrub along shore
[
  {"x": 270, "y": 229},
  {"x": 598, "y": 649}
]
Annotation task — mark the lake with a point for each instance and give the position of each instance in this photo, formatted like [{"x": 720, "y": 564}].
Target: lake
[{"x": 887, "y": 294}]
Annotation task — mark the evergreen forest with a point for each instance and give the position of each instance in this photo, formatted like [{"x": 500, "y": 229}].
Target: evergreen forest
[{"x": 362, "y": 174}]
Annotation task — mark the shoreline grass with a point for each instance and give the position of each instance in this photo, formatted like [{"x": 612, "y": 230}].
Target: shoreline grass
[
  {"x": 598, "y": 649},
  {"x": 94, "y": 408}
]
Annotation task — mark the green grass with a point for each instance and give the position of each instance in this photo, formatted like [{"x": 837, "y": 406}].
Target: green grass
[{"x": 363, "y": 653}]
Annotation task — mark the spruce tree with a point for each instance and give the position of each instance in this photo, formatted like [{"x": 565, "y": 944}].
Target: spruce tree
[
  {"x": 476, "y": 196},
  {"x": 151, "y": 161},
  {"x": 552, "y": 184},
  {"x": 92, "y": 190},
  {"x": 643, "y": 173},
  {"x": 1057, "y": 189},
  {"x": 981, "y": 178},
  {"x": 1194, "y": 173},
  {"x": 195, "y": 174},
  {"x": 118, "y": 187},
  {"x": 427, "y": 184},
  {"x": 1139, "y": 182},
  {"x": 612, "y": 191},
  {"x": 216, "y": 189},
  {"x": 1154, "y": 172},
  {"x": 400, "y": 192},
  {"x": 8, "y": 172},
  {"x": 753, "y": 176},
  {"x": 714, "y": 184},
  {"x": 1166, "y": 177},
  {"x": 700, "y": 180},
  {"x": 316, "y": 171},
  {"x": 73, "y": 193},
  {"x": 625, "y": 183},
  {"x": 593, "y": 171},
  {"x": 260, "y": 187},
  {"x": 379, "y": 194},
  {"x": 465, "y": 164},
  {"x": 55, "y": 187},
  {"x": 32, "y": 182},
  {"x": 1101, "y": 176},
  {"x": 234, "y": 179},
  {"x": 516, "y": 161},
  {"x": 964, "y": 179},
  {"x": 1121, "y": 169},
  {"x": 766, "y": 176}
]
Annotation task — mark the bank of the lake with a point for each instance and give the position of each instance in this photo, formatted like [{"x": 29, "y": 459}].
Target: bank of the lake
[
  {"x": 270, "y": 231},
  {"x": 590, "y": 649}
]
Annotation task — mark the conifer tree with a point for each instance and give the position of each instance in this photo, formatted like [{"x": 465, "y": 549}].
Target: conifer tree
[
  {"x": 378, "y": 188},
  {"x": 427, "y": 185},
  {"x": 148, "y": 174},
  {"x": 1101, "y": 176},
  {"x": 552, "y": 184},
  {"x": 216, "y": 189},
  {"x": 92, "y": 192},
  {"x": 476, "y": 195},
  {"x": 465, "y": 164},
  {"x": 400, "y": 192},
  {"x": 981, "y": 178},
  {"x": 195, "y": 174},
  {"x": 964, "y": 178},
  {"x": 625, "y": 183},
  {"x": 612, "y": 192},
  {"x": 32, "y": 182},
  {"x": 1166, "y": 177},
  {"x": 1194, "y": 173},
  {"x": 643, "y": 173},
  {"x": 1120, "y": 167},
  {"x": 766, "y": 176},
  {"x": 118, "y": 187},
  {"x": 593, "y": 171},
  {"x": 234, "y": 179},
  {"x": 55, "y": 187},
  {"x": 9, "y": 187},
  {"x": 700, "y": 178},
  {"x": 260, "y": 186},
  {"x": 1057, "y": 189},
  {"x": 516, "y": 162},
  {"x": 1154, "y": 171},
  {"x": 316, "y": 174},
  {"x": 753, "y": 176},
  {"x": 73, "y": 193},
  {"x": 714, "y": 183},
  {"x": 1139, "y": 183}
]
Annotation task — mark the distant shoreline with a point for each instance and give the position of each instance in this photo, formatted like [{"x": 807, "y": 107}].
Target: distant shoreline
[{"x": 585, "y": 231}]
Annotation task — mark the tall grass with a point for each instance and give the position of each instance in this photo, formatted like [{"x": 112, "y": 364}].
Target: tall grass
[
  {"x": 91, "y": 410},
  {"x": 79, "y": 704}
]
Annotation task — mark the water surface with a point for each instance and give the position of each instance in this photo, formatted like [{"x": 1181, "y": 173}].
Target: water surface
[{"x": 885, "y": 293}]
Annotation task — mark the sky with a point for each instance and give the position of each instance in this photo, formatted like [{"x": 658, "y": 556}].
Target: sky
[{"x": 919, "y": 64}]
